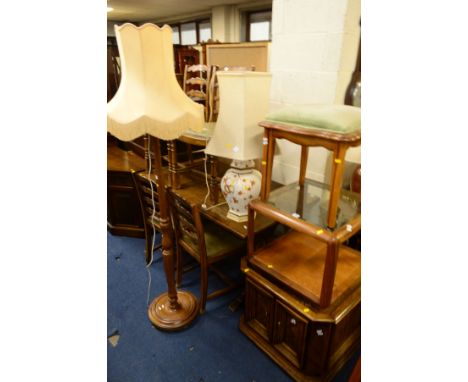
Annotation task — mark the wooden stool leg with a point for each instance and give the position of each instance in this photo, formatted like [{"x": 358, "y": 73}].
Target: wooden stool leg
[
  {"x": 267, "y": 164},
  {"x": 335, "y": 188},
  {"x": 303, "y": 168}
]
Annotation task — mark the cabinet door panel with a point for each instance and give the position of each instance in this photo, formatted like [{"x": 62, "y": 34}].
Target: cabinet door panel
[
  {"x": 122, "y": 207},
  {"x": 290, "y": 331},
  {"x": 259, "y": 306}
]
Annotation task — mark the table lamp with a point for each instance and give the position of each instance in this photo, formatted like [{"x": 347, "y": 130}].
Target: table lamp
[
  {"x": 150, "y": 101},
  {"x": 244, "y": 101}
]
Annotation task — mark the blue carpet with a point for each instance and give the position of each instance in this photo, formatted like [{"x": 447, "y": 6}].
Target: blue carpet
[{"x": 212, "y": 349}]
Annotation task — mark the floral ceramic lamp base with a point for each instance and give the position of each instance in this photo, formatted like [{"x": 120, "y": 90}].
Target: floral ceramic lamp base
[{"x": 239, "y": 185}]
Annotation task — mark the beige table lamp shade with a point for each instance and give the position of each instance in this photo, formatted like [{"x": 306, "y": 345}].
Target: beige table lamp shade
[
  {"x": 244, "y": 101},
  {"x": 149, "y": 99}
]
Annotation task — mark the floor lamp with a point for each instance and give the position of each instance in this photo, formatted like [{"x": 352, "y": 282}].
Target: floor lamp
[{"x": 150, "y": 101}]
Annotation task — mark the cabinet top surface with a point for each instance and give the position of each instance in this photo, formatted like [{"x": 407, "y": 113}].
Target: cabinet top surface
[
  {"x": 121, "y": 160},
  {"x": 303, "y": 266}
]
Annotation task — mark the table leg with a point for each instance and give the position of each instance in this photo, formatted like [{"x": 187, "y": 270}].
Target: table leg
[
  {"x": 172, "y": 159},
  {"x": 214, "y": 183}
]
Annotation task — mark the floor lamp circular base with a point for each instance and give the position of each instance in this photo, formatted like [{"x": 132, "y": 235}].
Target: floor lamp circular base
[{"x": 164, "y": 318}]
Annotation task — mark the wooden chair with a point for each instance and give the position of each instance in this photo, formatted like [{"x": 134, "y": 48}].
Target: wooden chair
[
  {"x": 195, "y": 84},
  {"x": 213, "y": 93},
  {"x": 150, "y": 214},
  {"x": 196, "y": 79},
  {"x": 185, "y": 56},
  {"x": 207, "y": 243}
]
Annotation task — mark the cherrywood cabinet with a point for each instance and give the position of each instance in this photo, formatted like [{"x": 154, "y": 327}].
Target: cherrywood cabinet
[
  {"x": 309, "y": 343},
  {"x": 302, "y": 301}
]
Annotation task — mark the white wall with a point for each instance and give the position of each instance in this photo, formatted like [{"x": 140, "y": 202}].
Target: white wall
[
  {"x": 225, "y": 23},
  {"x": 313, "y": 53}
]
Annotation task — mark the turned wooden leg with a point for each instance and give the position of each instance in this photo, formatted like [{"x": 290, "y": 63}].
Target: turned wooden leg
[
  {"x": 214, "y": 183},
  {"x": 172, "y": 159}
]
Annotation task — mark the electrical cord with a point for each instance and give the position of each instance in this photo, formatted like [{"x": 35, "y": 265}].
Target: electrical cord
[{"x": 153, "y": 215}]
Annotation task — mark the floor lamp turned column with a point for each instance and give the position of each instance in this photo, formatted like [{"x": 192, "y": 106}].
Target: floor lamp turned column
[{"x": 172, "y": 310}]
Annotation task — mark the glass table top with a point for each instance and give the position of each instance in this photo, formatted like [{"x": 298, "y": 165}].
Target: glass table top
[
  {"x": 206, "y": 133},
  {"x": 310, "y": 203}
]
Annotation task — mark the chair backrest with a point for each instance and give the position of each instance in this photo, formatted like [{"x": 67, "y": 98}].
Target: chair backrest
[
  {"x": 213, "y": 89},
  {"x": 188, "y": 227},
  {"x": 146, "y": 196},
  {"x": 195, "y": 84},
  {"x": 185, "y": 56}
]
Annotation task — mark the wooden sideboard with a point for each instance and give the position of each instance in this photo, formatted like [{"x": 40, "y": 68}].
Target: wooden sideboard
[
  {"x": 303, "y": 289},
  {"x": 309, "y": 343},
  {"x": 302, "y": 293},
  {"x": 123, "y": 209}
]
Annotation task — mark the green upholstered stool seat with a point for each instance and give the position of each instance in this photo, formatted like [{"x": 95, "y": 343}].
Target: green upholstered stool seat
[{"x": 341, "y": 119}]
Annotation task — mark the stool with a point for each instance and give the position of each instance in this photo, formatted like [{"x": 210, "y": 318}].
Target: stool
[{"x": 334, "y": 127}]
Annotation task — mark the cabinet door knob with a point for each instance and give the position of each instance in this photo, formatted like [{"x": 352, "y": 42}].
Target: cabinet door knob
[{"x": 293, "y": 321}]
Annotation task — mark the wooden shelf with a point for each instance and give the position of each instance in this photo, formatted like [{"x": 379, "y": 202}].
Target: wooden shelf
[{"x": 301, "y": 270}]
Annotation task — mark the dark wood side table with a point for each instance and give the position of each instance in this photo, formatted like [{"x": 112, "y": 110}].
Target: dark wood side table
[{"x": 123, "y": 209}]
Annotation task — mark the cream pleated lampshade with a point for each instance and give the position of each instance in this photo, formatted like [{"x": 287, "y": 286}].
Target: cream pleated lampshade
[
  {"x": 149, "y": 99},
  {"x": 244, "y": 102}
]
